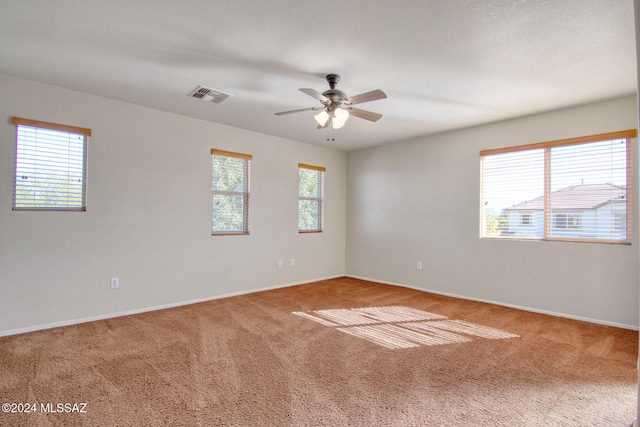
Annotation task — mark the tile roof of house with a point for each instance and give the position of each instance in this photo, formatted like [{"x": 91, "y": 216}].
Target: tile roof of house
[{"x": 577, "y": 197}]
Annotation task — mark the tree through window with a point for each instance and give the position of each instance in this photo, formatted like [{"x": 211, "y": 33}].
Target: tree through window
[
  {"x": 310, "y": 198},
  {"x": 230, "y": 192}
]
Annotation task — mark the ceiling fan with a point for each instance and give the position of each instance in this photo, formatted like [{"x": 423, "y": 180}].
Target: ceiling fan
[{"x": 337, "y": 107}]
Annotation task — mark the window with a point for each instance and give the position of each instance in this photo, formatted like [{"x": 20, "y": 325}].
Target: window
[
  {"x": 230, "y": 192},
  {"x": 310, "y": 198},
  {"x": 576, "y": 189},
  {"x": 50, "y": 167},
  {"x": 566, "y": 221}
]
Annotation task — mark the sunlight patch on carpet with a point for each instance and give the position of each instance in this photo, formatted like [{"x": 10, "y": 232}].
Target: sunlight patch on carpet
[
  {"x": 346, "y": 317},
  {"x": 397, "y": 327},
  {"x": 315, "y": 318},
  {"x": 464, "y": 327},
  {"x": 395, "y": 336}
]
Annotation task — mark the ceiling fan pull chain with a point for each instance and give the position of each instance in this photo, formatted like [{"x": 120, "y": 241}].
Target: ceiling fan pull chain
[{"x": 330, "y": 135}]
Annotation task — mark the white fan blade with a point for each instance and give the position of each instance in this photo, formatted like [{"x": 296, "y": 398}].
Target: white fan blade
[
  {"x": 315, "y": 94},
  {"x": 282, "y": 113},
  {"x": 366, "y": 97},
  {"x": 364, "y": 114}
]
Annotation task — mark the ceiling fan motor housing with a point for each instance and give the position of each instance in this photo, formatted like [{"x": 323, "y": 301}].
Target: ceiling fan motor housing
[{"x": 336, "y": 96}]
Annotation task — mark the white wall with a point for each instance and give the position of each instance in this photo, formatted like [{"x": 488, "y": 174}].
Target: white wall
[
  {"x": 148, "y": 219},
  {"x": 419, "y": 201}
]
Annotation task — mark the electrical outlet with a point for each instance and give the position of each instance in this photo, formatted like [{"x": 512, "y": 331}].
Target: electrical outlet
[
  {"x": 419, "y": 265},
  {"x": 293, "y": 262},
  {"x": 115, "y": 283},
  {"x": 279, "y": 263}
]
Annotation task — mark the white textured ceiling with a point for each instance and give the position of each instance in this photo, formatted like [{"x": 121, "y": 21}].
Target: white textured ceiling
[{"x": 444, "y": 64}]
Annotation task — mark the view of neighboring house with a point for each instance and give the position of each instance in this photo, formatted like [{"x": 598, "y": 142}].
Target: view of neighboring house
[{"x": 584, "y": 211}]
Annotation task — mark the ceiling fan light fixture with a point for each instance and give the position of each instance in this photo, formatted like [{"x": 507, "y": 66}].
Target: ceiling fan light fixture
[
  {"x": 337, "y": 124},
  {"x": 340, "y": 117},
  {"x": 322, "y": 117},
  {"x": 341, "y": 114}
]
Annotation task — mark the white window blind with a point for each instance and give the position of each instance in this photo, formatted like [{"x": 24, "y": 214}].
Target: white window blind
[
  {"x": 50, "y": 167},
  {"x": 310, "y": 198},
  {"x": 575, "y": 190},
  {"x": 230, "y": 192}
]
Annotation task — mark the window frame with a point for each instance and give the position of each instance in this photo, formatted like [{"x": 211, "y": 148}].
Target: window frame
[
  {"x": 549, "y": 215},
  {"x": 244, "y": 194},
  {"x": 71, "y": 130},
  {"x": 320, "y": 200}
]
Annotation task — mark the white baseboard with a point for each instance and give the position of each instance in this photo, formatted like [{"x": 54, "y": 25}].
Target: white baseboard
[
  {"x": 153, "y": 308},
  {"x": 518, "y": 307}
]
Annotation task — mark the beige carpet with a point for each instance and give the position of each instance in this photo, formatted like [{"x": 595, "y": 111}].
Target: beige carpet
[{"x": 341, "y": 352}]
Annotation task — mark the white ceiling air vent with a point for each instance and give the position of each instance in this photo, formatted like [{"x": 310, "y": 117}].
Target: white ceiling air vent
[{"x": 209, "y": 95}]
